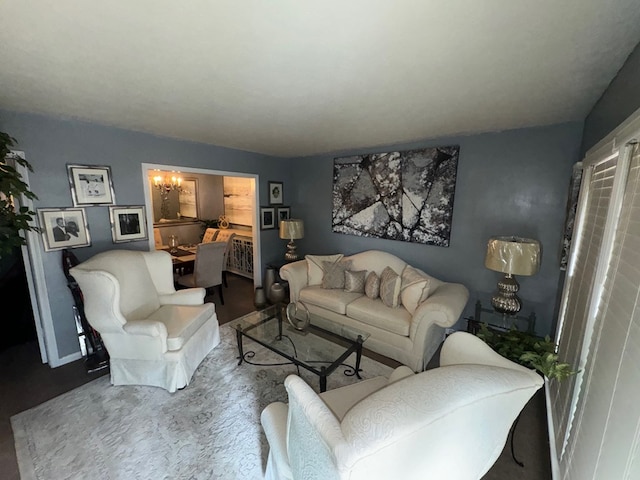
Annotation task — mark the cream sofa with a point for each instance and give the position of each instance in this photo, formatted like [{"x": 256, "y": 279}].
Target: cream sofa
[{"x": 409, "y": 338}]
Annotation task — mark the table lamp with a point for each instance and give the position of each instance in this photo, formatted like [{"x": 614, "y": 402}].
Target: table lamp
[
  {"x": 511, "y": 256},
  {"x": 293, "y": 229}
]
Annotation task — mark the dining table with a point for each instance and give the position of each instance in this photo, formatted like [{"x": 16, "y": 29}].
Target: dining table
[{"x": 183, "y": 258}]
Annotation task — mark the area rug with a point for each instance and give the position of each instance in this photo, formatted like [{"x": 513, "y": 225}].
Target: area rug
[{"x": 209, "y": 430}]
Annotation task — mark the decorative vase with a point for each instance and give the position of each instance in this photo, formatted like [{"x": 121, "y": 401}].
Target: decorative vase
[
  {"x": 260, "y": 300},
  {"x": 173, "y": 243},
  {"x": 276, "y": 293},
  {"x": 269, "y": 279}
]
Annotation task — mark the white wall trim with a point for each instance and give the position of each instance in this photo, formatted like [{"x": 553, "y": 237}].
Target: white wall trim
[
  {"x": 555, "y": 466},
  {"x": 38, "y": 293}
]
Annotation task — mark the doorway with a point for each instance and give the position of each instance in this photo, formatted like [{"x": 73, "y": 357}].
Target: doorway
[{"x": 148, "y": 172}]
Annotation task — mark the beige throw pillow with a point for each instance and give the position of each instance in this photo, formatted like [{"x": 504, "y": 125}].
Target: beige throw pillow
[
  {"x": 334, "y": 273},
  {"x": 354, "y": 281},
  {"x": 315, "y": 269},
  {"x": 415, "y": 288},
  {"x": 372, "y": 285},
  {"x": 390, "y": 283}
]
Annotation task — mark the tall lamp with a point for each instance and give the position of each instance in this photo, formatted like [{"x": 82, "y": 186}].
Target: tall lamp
[
  {"x": 292, "y": 229},
  {"x": 511, "y": 256}
]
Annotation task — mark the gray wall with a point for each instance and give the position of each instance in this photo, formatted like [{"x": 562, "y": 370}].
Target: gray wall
[
  {"x": 619, "y": 101},
  {"x": 49, "y": 144},
  {"x": 514, "y": 182}
]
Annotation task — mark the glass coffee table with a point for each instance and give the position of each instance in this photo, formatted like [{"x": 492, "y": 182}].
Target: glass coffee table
[{"x": 314, "y": 349}]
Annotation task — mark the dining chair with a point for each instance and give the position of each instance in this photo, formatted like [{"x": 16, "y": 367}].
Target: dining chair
[
  {"x": 157, "y": 237},
  {"x": 207, "y": 268},
  {"x": 226, "y": 236},
  {"x": 210, "y": 235}
]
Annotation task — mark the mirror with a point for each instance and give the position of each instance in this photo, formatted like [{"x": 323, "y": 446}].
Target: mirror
[{"x": 175, "y": 201}]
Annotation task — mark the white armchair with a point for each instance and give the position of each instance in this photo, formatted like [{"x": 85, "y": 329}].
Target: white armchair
[
  {"x": 449, "y": 422},
  {"x": 154, "y": 334}
]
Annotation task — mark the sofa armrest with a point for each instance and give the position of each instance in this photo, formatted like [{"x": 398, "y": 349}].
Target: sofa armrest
[
  {"x": 274, "y": 423},
  {"x": 188, "y": 296},
  {"x": 443, "y": 307},
  {"x": 296, "y": 274},
  {"x": 148, "y": 328}
]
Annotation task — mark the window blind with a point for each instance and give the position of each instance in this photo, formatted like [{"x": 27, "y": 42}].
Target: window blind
[
  {"x": 592, "y": 213},
  {"x": 605, "y": 439}
]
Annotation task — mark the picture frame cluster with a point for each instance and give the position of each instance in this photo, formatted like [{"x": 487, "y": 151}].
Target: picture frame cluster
[{"x": 90, "y": 186}]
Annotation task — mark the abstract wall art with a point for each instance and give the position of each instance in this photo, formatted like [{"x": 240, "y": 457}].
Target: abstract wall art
[{"x": 405, "y": 196}]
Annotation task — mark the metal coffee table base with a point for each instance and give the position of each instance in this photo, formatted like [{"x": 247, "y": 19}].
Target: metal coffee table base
[{"x": 323, "y": 371}]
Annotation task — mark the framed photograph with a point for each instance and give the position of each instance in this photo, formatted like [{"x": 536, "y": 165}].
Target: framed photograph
[
  {"x": 276, "y": 193},
  {"x": 128, "y": 224},
  {"x": 284, "y": 213},
  {"x": 63, "y": 228},
  {"x": 267, "y": 218},
  {"x": 91, "y": 185}
]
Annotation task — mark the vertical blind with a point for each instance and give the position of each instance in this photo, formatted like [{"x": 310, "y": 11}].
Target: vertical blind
[
  {"x": 605, "y": 438},
  {"x": 597, "y": 187}
]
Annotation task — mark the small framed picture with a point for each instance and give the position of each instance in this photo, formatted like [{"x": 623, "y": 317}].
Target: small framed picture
[
  {"x": 91, "y": 185},
  {"x": 128, "y": 224},
  {"x": 267, "y": 218},
  {"x": 284, "y": 213},
  {"x": 63, "y": 228},
  {"x": 276, "y": 193}
]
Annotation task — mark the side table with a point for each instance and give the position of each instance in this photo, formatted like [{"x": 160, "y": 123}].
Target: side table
[{"x": 499, "y": 321}]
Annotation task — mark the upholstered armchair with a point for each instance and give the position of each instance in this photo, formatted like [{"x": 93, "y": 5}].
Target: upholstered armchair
[
  {"x": 154, "y": 334},
  {"x": 449, "y": 422}
]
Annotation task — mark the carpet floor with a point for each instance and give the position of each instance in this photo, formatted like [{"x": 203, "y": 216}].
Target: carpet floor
[{"x": 209, "y": 430}]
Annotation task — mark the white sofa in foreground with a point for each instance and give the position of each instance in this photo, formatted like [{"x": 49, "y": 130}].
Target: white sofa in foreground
[
  {"x": 410, "y": 332},
  {"x": 450, "y": 422}
]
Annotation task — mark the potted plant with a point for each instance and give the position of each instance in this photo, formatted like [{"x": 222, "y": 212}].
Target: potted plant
[
  {"x": 13, "y": 221},
  {"x": 528, "y": 350}
]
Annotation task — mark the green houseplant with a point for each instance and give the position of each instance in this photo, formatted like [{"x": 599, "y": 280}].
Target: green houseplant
[
  {"x": 528, "y": 350},
  {"x": 13, "y": 221}
]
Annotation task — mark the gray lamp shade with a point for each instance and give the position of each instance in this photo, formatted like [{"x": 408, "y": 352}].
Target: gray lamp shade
[
  {"x": 292, "y": 229},
  {"x": 513, "y": 255}
]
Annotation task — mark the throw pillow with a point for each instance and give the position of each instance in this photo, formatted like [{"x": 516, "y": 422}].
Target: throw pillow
[
  {"x": 414, "y": 289},
  {"x": 372, "y": 285},
  {"x": 390, "y": 283},
  {"x": 354, "y": 281},
  {"x": 315, "y": 270},
  {"x": 334, "y": 273}
]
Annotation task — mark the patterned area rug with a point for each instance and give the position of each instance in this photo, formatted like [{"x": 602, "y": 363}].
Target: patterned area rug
[{"x": 209, "y": 430}]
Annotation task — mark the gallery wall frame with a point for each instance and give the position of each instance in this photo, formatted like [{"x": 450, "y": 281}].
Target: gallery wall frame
[
  {"x": 403, "y": 195},
  {"x": 267, "y": 218},
  {"x": 63, "y": 228},
  {"x": 128, "y": 223},
  {"x": 276, "y": 193},
  {"x": 283, "y": 213},
  {"x": 91, "y": 185}
]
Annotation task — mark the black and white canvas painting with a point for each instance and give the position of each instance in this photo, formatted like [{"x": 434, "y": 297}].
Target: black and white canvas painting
[{"x": 406, "y": 196}]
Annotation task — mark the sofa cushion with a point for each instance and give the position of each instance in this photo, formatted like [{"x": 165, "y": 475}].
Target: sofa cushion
[
  {"x": 377, "y": 314},
  {"x": 390, "y": 283},
  {"x": 334, "y": 273},
  {"x": 414, "y": 289},
  {"x": 331, "y": 299},
  {"x": 372, "y": 285},
  {"x": 182, "y": 321},
  {"x": 354, "y": 281},
  {"x": 315, "y": 270}
]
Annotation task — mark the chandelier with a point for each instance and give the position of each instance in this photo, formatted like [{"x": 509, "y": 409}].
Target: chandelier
[{"x": 167, "y": 184}]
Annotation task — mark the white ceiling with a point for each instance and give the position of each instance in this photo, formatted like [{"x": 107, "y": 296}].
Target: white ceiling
[{"x": 294, "y": 78}]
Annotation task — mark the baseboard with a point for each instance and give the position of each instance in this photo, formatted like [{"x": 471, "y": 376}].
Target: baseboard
[{"x": 555, "y": 465}]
